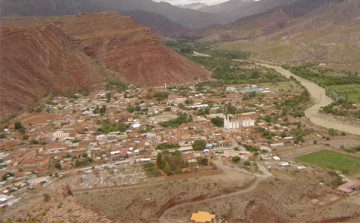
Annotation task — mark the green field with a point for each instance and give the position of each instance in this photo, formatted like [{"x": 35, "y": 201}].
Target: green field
[
  {"x": 352, "y": 91},
  {"x": 332, "y": 160}
]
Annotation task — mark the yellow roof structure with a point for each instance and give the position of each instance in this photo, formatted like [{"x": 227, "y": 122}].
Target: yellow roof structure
[{"x": 202, "y": 216}]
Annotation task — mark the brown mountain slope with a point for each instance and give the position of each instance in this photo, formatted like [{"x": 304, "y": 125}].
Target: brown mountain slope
[
  {"x": 67, "y": 52},
  {"x": 129, "y": 49},
  {"x": 39, "y": 60}
]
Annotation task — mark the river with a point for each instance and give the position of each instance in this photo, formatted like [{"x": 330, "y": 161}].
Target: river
[{"x": 320, "y": 99}]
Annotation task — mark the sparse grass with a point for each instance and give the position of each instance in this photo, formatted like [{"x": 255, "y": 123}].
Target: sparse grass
[{"x": 332, "y": 160}]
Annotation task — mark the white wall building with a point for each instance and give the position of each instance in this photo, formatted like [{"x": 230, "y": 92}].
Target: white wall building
[{"x": 237, "y": 123}]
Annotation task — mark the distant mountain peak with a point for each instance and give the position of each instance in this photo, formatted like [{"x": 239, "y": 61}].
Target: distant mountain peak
[{"x": 195, "y": 5}]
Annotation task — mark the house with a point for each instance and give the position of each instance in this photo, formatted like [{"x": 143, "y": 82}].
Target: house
[{"x": 202, "y": 217}]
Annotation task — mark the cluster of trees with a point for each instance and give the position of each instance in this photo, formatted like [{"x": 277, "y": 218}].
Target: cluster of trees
[
  {"x": 187, "y": 46},
  {"x": 108, "y": 126},
  {"x": 251, "y": 148},
  {"x": 131, "y": 108},
  {"x": 342, "y": 108},
  {"x": 295, "y": 105},
  {"x": 161, "y": 95},
  {"x": 83, "y": 162},
  {"x": 171, "y": 163},
  {"x": 202, "y": 112},
  {"x": 164, "y": 146},
  {"x": 237, "y": 75},
  {"x": 230, "y": 54},
  {"x": 319, "y": 76},
  {"x": 180, "y": 119},
  {"x": 120, "y": 86}
]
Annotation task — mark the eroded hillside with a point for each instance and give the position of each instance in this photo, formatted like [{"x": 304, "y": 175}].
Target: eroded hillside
[{"x": 54, "y": 54}]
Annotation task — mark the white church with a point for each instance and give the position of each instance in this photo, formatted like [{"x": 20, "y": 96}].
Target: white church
[{"x": 237, "y": 123}]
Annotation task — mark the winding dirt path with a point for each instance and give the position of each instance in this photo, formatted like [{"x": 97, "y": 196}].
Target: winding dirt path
[
  {"x": 320, "y": 99},
  {"x": 165, "y": 217}
]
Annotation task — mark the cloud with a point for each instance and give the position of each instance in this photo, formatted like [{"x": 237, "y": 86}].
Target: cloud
[{"x": 184, "y": 2}]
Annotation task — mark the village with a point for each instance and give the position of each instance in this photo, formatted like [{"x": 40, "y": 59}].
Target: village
[{"x": 81, "y": 134}]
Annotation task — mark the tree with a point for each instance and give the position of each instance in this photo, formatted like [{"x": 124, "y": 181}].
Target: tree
[
  {"x": 203, "y": 161},
  {"x": 188, "y": 101},
  {"x": 219, "y": 122},
  {"x": 199, "y": 145},
  {"x": 58, "y": 166},
  {"x": 102, "y": 110},
  {"x": 17, "y": 125},
  {"x": 235, "y": 159},
  {"x": 130, "y": 108},
  {"x": 159, "y": 161}
]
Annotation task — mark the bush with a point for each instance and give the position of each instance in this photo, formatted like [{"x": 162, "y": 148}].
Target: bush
[
  {"x": 46, "y": 197},
  {"x": 151, "y": 170},
  {"x": 247, "y": 162},
  {"x": 203, "y": 161},
  {"x": 17, "y": 125},
  {"x": 236, "y": 159}
]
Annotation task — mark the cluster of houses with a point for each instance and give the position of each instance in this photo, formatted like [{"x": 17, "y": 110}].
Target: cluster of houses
[{"x": 70, "y": 133}]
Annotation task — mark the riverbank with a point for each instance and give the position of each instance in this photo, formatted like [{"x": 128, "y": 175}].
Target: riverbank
[{"x": 320, "y": 99}]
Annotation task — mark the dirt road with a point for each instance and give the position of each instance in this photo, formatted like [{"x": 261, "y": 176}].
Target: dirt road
[{"x": 165, "y": 217}]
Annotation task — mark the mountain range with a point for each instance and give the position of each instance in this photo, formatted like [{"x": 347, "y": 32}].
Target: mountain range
[
  {"x": 58, "y": 53},
  {"x": 172, "y": 19},
  {"x": 186, "y": 17},
  {"x": 306, "y": 30}
]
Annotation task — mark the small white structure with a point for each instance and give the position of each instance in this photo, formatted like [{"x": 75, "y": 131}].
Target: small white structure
[
  {"x": 274, "y": 145},
  {"x": 300, "y": 167},
  {"x": 60, "y": 135},
  {"x": 276, "y": 158},
  {"x": 284, "y": 164}
]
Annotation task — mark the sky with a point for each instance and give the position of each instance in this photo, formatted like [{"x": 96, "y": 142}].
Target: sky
[{"x": 184, "y": 2}]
